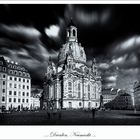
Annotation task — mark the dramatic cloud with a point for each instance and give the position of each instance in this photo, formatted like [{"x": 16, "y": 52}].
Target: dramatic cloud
[
  {"x": 27, "y": 34},
  {"x": 93, "y": 17},
  {"x": 86, "y": 17},
  {"x": 124, "y": 55},
  {"x": 103, "y": 31},
  {"x": 120, "y": 60},
  {"x": 127, "y": 46},
  {"x": 103, "y": 66},
  {"x": 31, "y": 54},
  {"x": 112, "y": 78},
  {"x": 52, "y": 31}
]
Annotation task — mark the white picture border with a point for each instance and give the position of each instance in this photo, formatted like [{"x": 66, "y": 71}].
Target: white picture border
[{"x": 68, "y": 131}]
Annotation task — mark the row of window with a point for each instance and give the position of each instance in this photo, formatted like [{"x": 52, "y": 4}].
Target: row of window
[
  {"x": 80, "y": 104},
  {"x": 18, "y": 86},
  {"x": 15, "y": 100},
  {"x": 2, "y": 68},
  {"x": 16, "y": 67},
  {"x": 79, "y": 89},
  {"x": 79, "y": 95},
  {"x": 19, "y": 93},
  {"x": 19, "y": 73},
  {"x": 19, "y": 79},
  {"x": 79, "y": 86}
]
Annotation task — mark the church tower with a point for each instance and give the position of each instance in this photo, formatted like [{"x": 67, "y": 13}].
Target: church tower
[
  {"x": 72, "y": 46},
  {"x": 72, "y": 32}
]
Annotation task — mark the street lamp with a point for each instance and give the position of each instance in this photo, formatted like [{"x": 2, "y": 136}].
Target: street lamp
[{"x": 133, "y": 101}]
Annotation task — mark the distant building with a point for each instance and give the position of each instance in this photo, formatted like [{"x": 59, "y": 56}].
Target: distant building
[
  {"x": 123, "y": 101},
  {"x": 15, "y": 85},
  {"x": 35, "y": 98},
  {"x": 35, "y": 102},
  {"x": 109, "y": 94},
  {"x": 137, "y": 95},
  {"x": 72, "y": 83}
]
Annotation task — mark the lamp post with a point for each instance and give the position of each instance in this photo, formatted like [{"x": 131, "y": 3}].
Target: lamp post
[{"x": 133, "y": 101}]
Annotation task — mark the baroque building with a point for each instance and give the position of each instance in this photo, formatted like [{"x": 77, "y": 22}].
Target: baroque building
[
  {"x": 110, "y": 94},
  {"x": 71, "y": 83},
  {"x": 136, "y": 93},
  {"x": 15, "y": 85},
  {"x": 123, "y": 101}
]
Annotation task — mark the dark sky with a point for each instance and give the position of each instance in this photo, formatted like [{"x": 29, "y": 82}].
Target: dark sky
[{"x": 29, "y": 34}]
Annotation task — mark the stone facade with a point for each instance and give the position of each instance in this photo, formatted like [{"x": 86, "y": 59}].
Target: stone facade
[
  {"x": 15, "y": 85},
  {"x": 122, "y": 102},
  {"x": 72, "y": 83},
  {"x": 137, "y": 95},
  {"x": 109, "y": 94}
]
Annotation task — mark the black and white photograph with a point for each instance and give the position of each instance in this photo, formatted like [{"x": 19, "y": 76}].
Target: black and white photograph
[{"x": 69, "y": 64}]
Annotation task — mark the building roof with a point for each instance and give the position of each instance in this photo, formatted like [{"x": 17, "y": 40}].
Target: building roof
[
  {"x": 13, "y": 66},
  {"x": 109, "y": 91},
  {"x": 125, "y": 94},
  {"x": 137, "y": 84}
]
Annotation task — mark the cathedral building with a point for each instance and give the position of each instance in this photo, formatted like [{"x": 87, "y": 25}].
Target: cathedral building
[{"x": 71, "y": 83}]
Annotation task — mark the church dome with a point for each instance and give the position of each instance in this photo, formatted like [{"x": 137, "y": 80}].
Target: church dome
[
  {"x": 75, "y": 49},
  {"x": 72, "y": 46}
]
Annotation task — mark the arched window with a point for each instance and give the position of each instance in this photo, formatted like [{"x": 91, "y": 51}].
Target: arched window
[
  {"x": 15, "y": 72},
  {"x": 10, "y": 66},
  {"x": 14, "y": 67},
  {"x": 74, "y": 32},
  {"x": 4, "y": 68},
  {"x": 24, "y": 74},
  {"x": 79, "y": 88},
  {"x": 89, "y": 105},
  {"x": 89, "y": 88},
  {"x": 70, "y": 86},
  {"x": 28, "y": 75},
  {"x": 88, "y": 91},
  {"x": 20, "y": 73}
]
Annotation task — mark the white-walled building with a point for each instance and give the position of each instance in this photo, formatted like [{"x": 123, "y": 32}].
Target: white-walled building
[
  {"x": 15, "y": 85},
  {"x": 35, "y": 102},
  {"x": 35, "y": 98},
  {"x": 72, "y": 83}
]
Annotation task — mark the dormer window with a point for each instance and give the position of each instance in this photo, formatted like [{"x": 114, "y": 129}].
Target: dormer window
[
  {"x": 4, "y": 68},
  {"x": 20, "y": 73},
  {"x": 11, "y": 72},
  {"x": 15, "y": 72}
]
